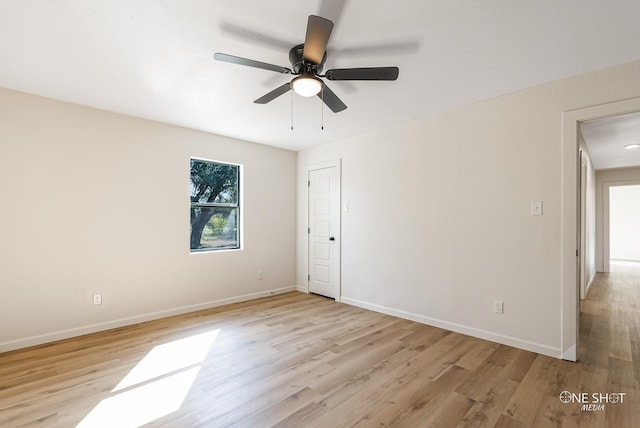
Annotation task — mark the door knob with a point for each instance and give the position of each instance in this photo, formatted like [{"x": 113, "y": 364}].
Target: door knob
[{"x": 331, "y": 238}]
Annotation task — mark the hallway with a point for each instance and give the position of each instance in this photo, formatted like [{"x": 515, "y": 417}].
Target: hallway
[{"x": 609, "y": 345}]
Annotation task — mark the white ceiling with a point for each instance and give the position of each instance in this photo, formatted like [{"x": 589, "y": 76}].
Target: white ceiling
[
  {"x": 153, "y": 58},
  {"x": 605, "y": 139}
]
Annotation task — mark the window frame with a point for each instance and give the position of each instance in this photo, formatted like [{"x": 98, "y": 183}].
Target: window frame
[{"x": 237, "y": 206}]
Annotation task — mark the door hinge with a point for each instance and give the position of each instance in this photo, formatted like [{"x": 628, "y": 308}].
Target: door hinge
[
  {"x": 577, "y": 253},
  {"x": 308, "y": 277},
  {"x": 309, "y": 183},
  {"x": 308, "y": 230}
]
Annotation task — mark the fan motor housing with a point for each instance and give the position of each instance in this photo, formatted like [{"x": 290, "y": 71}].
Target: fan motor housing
[{"x": 299, "y": 65}]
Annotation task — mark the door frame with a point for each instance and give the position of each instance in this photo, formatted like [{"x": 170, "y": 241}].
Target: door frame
[
  {"x": 582, "y": 214},
  {"x": 570, "y": 290},
  {"x": 337, "y": 163}
]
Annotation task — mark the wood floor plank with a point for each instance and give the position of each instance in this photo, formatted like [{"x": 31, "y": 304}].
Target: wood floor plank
[
  {"x": 619, "y": 342},
  {"x": 298, "y": 360},
  {"x": 421, "y": 405},
  {"x": 449, "y": 412},
  {"x": 273, "y": 415},
  {"x": 385, "y": 386},
  {"x": 477, "y": 355},
  {"x": 529, "y": 400},
  {"x": 490, "y": 393},
  {"x": 508, "y": 422}
]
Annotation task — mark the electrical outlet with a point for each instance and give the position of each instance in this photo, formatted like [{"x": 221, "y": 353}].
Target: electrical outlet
[
  {"x": 97, "y": 299},
  {"x": 498, "y": 306},
  {"x": 536, "y": 207},
  {"x": 260, "y": 274}
]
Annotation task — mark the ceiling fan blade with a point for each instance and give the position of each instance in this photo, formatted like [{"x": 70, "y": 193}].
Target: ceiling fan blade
[
  {"x": 331, "y": 100},
  {"x": 315, "y": 43},
  {"x": 274, "y": 94},
  {"x": 250, "y": 63},
  {"x": 371, "y": 73}
]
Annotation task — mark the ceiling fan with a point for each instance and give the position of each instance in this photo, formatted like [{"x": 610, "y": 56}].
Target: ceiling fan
[{"x": 307, "y": 60}]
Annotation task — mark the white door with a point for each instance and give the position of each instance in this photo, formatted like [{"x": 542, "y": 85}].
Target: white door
[{"x": 324, "y": 231}]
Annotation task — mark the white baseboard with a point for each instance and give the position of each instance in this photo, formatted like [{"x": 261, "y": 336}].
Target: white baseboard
[
  {"x": 458, "y": 328},
  {"x": 107, "y": 325}
]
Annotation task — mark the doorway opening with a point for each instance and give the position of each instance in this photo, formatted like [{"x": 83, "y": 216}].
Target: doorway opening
[
  {"x": 624, "y": 223},
  {"x": 572, "y": 261}
]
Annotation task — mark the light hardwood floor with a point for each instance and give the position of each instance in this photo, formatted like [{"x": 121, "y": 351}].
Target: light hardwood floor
[{"x": 298, "y": 360}]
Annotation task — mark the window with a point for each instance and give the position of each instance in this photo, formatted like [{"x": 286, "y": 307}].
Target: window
[{"x": 215, "y": 208}]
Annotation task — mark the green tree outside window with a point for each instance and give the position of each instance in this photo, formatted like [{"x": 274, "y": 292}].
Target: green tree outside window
[{"x": 215, "y": 208}]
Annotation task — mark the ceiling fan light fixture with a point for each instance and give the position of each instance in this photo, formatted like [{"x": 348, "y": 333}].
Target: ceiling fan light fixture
[
  {"x": 632, "y": 146},
  {"x": 306, "y": 85}
]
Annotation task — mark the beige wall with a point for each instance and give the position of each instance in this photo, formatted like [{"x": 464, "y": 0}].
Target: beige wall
[
  {"x": 605, "y": 179},
  {"x": 94, "y": 202},
  {"x": 439, "y": 224}
]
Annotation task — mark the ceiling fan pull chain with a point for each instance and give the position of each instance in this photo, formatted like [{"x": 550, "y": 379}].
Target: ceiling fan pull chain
[
  {"x": 322, "y": 108},
  {"x": 292, "y": 110}
]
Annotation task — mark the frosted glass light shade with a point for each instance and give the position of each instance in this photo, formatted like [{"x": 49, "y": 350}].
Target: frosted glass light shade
[{"x": 306, "y": 85}]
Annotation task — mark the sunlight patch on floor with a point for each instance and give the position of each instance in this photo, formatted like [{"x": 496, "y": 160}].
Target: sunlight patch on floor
[{"x": 156, "y": 386}]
